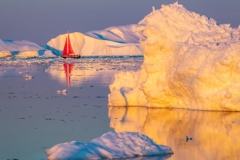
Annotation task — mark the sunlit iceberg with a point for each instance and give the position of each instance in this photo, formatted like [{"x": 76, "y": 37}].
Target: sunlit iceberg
[
  {"x": 190, "y": 61},
  {"x": 110, "y": 145},
  {"x": 121, "y": 34},
  {"x": 22, "y": 49},
  {"x": 97, "y": 45}
]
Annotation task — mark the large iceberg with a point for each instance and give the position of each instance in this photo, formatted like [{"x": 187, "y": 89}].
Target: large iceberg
[
  {"x": 109, "y": 146},
  {"x": 22, "y": 49},
  {"x": 97, "y": 45},
  {"x": 121, "y": 34},
  {"x": 190, "y": 61}
]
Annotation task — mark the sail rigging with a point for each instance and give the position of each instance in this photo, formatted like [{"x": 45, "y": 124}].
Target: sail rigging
[{"x": 67, "y": 47}]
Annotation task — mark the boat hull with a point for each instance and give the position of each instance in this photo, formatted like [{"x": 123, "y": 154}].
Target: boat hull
[{"x": 71, "y": 56}]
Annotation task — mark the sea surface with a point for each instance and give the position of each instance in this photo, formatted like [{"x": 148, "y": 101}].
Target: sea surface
[{"x": 46, "y": 101}]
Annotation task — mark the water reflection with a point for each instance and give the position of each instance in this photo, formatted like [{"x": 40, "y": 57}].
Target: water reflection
[
  {"x": 215, "y": 135},
  {"x": 68, "y": 70},
  {"x": 160, "y": 157}
]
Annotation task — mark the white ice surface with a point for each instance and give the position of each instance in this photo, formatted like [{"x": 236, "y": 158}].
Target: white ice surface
[
  {"x": 22, "y": 49},
  {"x": 190, "y": 61},
  {"x": 14, "y": 45},
  {"x": 91, "y": 46},
  {"x": 110, "y": 145},
  {"x": 123, "y": 34}
]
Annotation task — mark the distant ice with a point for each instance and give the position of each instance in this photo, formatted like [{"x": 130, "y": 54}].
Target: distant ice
[
  {"x": 27, "y": 77},
  {"x": 190, "y": 61},
  {"x": 110, "y": 145},
  {"x": 91, "y": 46},
  {"x": 121, "y": 34},
  {"x": 22, "y": 49},
  {"x": 58, "y": 92},
  {"x": 64, "y": 91}
]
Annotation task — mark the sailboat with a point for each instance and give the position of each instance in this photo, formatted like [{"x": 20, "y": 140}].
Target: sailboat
[{"x": 68, "y": 51}]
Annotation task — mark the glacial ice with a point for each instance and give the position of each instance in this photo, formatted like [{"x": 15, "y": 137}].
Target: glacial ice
[
  {"x": 110, "y": 145},
  {"x": 190, "y": 61},
  {"x": 121, "y": 34},
  {"x": 22, "y": 49},
  {"x": 92, "y": 46}
]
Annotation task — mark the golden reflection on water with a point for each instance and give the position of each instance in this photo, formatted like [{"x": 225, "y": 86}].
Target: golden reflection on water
[
  {"x": 215, "y": 135},
  {"x": 67, "y": 73}
]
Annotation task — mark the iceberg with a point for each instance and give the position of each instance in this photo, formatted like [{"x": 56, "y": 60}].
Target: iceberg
[
  {"x": 22, "y": 49},
  {"x": 110, "y": 145},
  {"x": 121, "y": 34},
  {"x": 190, "y": 61},
  {"x": 97, "y": 45}
]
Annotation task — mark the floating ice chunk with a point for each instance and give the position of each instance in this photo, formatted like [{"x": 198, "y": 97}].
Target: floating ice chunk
[
  {"x": 58, "y": 92},
  {"x": 5, "y": 54},
  {"x": 64, "y": 91},
  {"x": 27, "y": 54},
  {"x": 110, "y": 145},
  {"x": 27, "y": 77}
]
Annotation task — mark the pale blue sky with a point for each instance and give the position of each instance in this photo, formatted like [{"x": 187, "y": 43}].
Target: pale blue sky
[{"x": 40, "y": 20}]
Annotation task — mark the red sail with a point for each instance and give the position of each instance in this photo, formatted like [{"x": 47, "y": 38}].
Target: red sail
[{"x": 67, "y": 47}]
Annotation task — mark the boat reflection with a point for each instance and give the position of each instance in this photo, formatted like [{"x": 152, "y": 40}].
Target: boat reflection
[
  {"x": 82, "y": 72},
  {"x": 190, "y": 134},
  {"x": 68, "y": 70}
]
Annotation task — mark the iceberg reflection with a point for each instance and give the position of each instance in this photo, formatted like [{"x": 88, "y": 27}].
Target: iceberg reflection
[{"x": 214, "y": 135}]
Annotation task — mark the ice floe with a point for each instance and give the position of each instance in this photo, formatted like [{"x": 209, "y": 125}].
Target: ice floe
[
  {"x": 28, "y": 77},
  {"x": 110, "y": 145}
]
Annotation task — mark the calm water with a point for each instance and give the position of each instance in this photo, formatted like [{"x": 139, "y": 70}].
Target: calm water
[{"x": 35, "y": 114}]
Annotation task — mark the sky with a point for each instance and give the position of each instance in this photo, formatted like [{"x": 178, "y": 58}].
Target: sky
[{"x": 41, "y": 20}]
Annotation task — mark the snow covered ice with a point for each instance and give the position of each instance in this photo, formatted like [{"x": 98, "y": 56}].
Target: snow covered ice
[
  {"x": 190, "y": 62},
  {"x": 110, "y": 145},
  {"x": 93, "y": 46},
  {"x": 22, "y": 49}
]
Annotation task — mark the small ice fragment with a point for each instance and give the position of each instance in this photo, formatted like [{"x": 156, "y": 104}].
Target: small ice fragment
[
  {"x": 58, "y": 92},
  {"x": 27, "y": 77},
  {"x": 64, "y": 91}
]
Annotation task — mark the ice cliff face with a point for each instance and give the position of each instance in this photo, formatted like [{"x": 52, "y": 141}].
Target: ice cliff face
[
  {"x": 21, "y": 49},
  {"x": 189, "y": 62}
]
